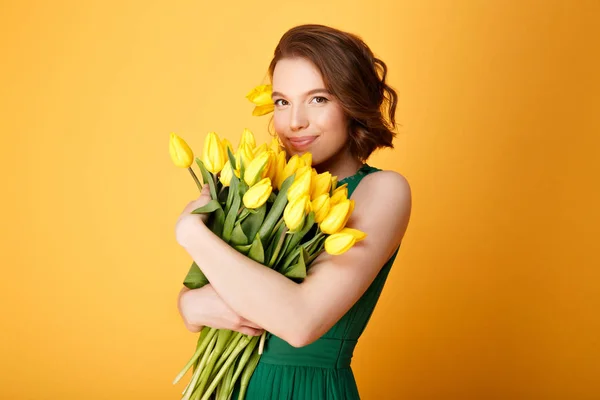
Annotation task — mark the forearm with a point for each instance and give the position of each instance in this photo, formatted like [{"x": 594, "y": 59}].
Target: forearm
[{"x": 254, "y": 291}]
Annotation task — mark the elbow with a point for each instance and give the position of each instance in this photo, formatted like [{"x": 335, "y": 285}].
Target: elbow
[{"x": 302, "y": 336}]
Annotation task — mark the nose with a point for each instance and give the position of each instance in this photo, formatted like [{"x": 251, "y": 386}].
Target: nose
[{"x": 298, "y": 118}]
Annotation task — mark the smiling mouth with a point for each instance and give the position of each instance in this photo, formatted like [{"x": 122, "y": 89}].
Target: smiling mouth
[{"x": 301, "y": 143}]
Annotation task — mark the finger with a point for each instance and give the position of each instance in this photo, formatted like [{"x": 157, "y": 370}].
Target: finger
[
  {"x": 250, "y": 331},
  {"x": 250, "y": 324}
]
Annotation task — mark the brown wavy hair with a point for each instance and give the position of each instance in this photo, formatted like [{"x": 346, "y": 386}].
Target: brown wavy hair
[{"x": 354, "y": 76}]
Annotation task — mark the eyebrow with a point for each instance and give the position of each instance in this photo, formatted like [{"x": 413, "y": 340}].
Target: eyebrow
[{"x": 320, "y": 90}]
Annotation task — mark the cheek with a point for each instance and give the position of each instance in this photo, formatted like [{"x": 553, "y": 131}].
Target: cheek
[
  {"x": 334, "y": 125},
  {"x": 278, "y": 123}
]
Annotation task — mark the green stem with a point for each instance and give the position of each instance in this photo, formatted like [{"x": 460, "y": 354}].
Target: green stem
[
  {"x": 213, "y": 385},
  {"x": 195, "y": 178},
  {"x": 199, "y": 351},
  {"x": 199, "y": 371},
  {"x": 278, "y": 248}
]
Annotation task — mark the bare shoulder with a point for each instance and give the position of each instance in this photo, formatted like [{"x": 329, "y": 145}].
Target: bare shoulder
[
  {"x": 383, "y": 203},
  {"x": 389, "y": 189}
]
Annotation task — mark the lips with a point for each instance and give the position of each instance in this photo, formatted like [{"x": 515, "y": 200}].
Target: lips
[{"x": 301, "y": 143}]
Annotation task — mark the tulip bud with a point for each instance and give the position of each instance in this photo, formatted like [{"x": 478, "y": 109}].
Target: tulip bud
[
  {"x": 227, "y": 145},
  {"x": 275, "y": 146},
  {"x": 290, "y": 168},
  {"x": 307, "y": 158},
  {"x": 181, "y": 154},
  {"x": 301, "y": 185},
  {"x": 261, "y": 96},
  {"x": 244, "y": 155},
  {"x": 226, "y": 174},
  {"x": 339, "y": 243},
  {"x": 258, "y": 194},
  {"x": 213, "y": 155},
  {"x": 271, "y": 169},
  {"x": 358, "y": 235},
  {"x": 260, "y": 149},
  {"x": 279, "y": 169},
  {"x": 339, "y": 194},
  {"x": 337, "y": 217},
  {"x": 248, "y": 138},
  {"x": 334, "y": 182},
  {"x": 296, "y": 211},
  {"x": 321, "y": 207},
  {"x": 254, "y": 170},
  {"x": 321, "y": 185}
]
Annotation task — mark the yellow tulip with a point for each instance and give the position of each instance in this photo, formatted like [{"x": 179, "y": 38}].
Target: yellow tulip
[
  {"x": 321, "y": 206},
  {"x": 296, "y": 211},
  {"x": 337, "y": 217},
  {"x": 339, "y": 194},
  {"x": 226, "y": 145},
  {"x": 244, "y": 155},
  {"x": 358, "y": 235},
  {"x": 260, "y": 149},
  {"x": 279, "y": 167},
  {"x": 301, "y": 185},
  {"x": 307, "y": 158},
  {"x": 258, "y": 194},
  {"x": 339, "y": 243},
  {"x": 254, "y": 170},
  {"x": 213, "y": 155},
  {"x": 261, "y": 96},
  {"x": 334, "y": 182},
  {"x": 248, "y": 137},
  {"x": 350, "y": 211},
  {"x": 321, "y": 184},
  {"x": 263, "y": 110},
  {"x": 290, "y": 168},
  {"x": 226, "y": 174},
  {"x": 180, "y": 152},
  {"x": 271, "y": 169},
  {"x": 275, "y": 146}
]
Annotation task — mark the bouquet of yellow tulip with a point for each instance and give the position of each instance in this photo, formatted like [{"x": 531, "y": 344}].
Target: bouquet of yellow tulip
[{"x": 280, "y": 213}]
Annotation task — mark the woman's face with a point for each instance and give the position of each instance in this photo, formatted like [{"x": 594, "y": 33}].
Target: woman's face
[{"x": 307, "y": 117}]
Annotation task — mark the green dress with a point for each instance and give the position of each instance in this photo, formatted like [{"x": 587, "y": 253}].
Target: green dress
[{"x": 322, "y": 369}]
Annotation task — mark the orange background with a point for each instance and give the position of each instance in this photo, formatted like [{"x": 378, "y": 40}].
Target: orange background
[{"x": 495, "y": 293}]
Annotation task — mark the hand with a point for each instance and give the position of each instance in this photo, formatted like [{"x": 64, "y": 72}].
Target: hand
[
  {"x": 204, "y": 307},
  {"x": 188, "y": 222}
]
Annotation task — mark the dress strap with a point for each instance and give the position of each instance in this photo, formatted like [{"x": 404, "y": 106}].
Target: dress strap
[{"x": 355, "y": 179}]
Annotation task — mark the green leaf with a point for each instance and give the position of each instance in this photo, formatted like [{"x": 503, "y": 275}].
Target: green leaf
[
  {"x": 298, "y": 270},
  {"x": 277, "y": 209},
  {"x": 280, "y": 240},
  {"x": 277, "y": 231},
  {"x": 231, "y": 159},
  {"x": 256, "y": 251},
  {"x": 195, "y": 278},
  {"x": 219, "y": 222},
  {"x": 285, "y": 248},
  {"x": 209, "y": 207},
  {"x": 230, "y": 219},
  {"x": 244, "y": 249},
  {"x": 238, "y": 237},
  {"x": 252, "y": 224},
  {"x": 233, "y": 192},
  {"x": 207, "y": 177}
]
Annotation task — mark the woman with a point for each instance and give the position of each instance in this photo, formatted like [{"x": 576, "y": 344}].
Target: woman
[{"x": 329, "y": 100}]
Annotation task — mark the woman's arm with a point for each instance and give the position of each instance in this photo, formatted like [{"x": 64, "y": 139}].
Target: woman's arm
[
  {"x": 203, "y": 307},
  {"x": 301, "y": 313}
]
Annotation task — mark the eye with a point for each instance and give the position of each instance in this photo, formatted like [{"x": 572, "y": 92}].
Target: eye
[
  {"x": 275, "y": 102},
  {"x": 323, "y": 99}
]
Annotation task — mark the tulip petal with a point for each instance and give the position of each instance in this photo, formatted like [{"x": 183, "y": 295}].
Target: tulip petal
[
  {"x": 263, "y": 110},
  {"x": 339, "y": 243}
]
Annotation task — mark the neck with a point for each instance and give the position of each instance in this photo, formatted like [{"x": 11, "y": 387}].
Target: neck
[{"x": 342, "y": 165}]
